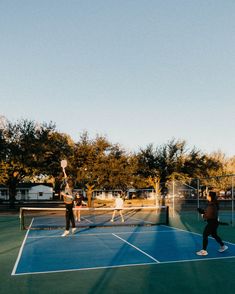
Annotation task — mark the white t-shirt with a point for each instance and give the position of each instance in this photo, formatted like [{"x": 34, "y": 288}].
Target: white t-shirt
[{"x": 119, "y": 203}]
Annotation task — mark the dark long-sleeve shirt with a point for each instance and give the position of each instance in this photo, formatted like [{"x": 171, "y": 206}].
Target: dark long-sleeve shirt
[
  {"x": 78, "y": 200},
  {"x": 211, "y": 211}
]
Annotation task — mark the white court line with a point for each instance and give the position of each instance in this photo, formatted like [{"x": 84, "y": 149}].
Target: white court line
[
  {"x": 87, "y": 220},
  {"x": 198, "y": 259},
  {"x": 198, "y": 234},
  {"x": 79, "y": 234},
  {"x": 182, "y": 230},
  {"x": 20, "y": 252},
  {"x": 88, "y": 268},
  {"x": 124, "y": 265},
  {"x": 138, "y": 219},
  {"x": 157, "y": 261}
]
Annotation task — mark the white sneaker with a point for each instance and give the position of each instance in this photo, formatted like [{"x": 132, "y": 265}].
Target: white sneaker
[
  {"x": 123, "y": 221},
  {"x": 111, "y": 220},
  {"x": 223, "y": 248},
  {"x": 73, "y": 230},
  {"x": 202, "y": 252},
  {"x": 65, "y": 234}
]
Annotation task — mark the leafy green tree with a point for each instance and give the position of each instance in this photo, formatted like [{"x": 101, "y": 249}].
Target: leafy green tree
[
  {"x": 86, "y": 159},
  {"x": 215, "y": 171},
  {"x": 147, "y": 162},
  {"x": 102, "y": 164},
  {"x": 116, "y": 171},
  {"x": 230, "y": 165},
  {"x": 32, "y": 152},
  {"x": 29, "y": 150},
  {"x": 174, "y": 160},
  {"x": 162, "y": 162}
]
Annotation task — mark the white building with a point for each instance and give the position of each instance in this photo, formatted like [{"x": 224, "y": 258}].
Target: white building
[
  {"x": 106, "y": 195},
  {"x": 29, "y": 191}
]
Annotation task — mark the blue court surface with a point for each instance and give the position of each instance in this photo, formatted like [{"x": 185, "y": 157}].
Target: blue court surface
[{"x": 45, "y": 251}]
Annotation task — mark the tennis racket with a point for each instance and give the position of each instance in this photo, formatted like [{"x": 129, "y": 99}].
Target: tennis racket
[
  {"x": 64, "y": 164},
  {"x": 200, "y": 210}
]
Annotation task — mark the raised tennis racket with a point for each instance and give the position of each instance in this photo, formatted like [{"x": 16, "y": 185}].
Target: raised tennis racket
[{"x": 64, "y": 164}]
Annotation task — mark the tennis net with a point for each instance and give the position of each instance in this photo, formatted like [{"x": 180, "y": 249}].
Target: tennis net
[{"x": 54, "y": 218}]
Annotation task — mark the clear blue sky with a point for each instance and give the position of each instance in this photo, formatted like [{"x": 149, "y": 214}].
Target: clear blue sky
[{"x": 136, "y": 71}]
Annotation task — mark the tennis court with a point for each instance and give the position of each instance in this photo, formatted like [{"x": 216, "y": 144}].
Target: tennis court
[
  {"x": 46, "y": 251},
  {"x": 115, "y": 259}
]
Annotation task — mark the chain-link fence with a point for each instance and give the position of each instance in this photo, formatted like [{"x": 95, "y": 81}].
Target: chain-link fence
[{"x": 183, "y": 196}]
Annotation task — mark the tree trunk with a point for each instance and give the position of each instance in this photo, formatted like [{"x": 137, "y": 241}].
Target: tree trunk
[
  {"x": 12, "y": 195},
  {"x": 89, "y": 196}
]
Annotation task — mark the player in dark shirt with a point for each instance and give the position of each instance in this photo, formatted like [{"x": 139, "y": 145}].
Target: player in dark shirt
[
  {"x": 210, "y": 214},
  {"x": 78, "y": 201}
]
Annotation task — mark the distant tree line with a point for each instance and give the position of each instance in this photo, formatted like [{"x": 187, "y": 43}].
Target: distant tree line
[{"x": 31, "y": 152}]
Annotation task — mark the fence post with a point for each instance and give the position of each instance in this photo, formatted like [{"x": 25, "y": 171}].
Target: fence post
[
  {"x": 232, "y": 201},
  {"x": 173, "y": 199},
  {"x": 198, "y": 189}
]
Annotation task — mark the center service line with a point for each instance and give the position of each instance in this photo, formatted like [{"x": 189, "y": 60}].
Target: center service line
[{"x": 157, "y": 261}]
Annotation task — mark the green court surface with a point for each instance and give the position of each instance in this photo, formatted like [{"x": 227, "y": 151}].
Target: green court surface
[{"x": 204, "y": 276}]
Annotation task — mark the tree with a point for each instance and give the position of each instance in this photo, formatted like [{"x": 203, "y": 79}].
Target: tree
[
  {"x": 230, "y": 165},
  {"x": 216, "y": 170},
  {"x": 116, "y": 169},
  {"x": 162, "y": 162},
  {"x": 102, "y": 164},
  {"x": 28, "y": 151},
  {"x": 87, "y": 156},
  {"x": 174, "y": 161}
]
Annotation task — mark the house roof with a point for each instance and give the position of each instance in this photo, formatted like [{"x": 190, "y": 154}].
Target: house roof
[{"x": 29, "y": 185}]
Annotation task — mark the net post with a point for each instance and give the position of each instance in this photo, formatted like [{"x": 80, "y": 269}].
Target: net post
[
  {"x": 167, "y": 215},
  {"x": 21, "y": 216},
  {"x": 232, "y": 202}
]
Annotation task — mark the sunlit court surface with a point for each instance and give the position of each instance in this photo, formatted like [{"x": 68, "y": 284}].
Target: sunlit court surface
[
  {"x": 116, "y": 258},
  {"x": 45, "y": 251}
]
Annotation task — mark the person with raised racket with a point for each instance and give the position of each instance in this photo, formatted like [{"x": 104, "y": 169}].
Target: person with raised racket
[
  {"x": 68, "y": 200},
  {"x": 67, "y": 195}
]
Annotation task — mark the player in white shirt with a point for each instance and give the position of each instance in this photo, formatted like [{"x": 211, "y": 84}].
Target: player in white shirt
[{"x": 118, "y": 207}]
